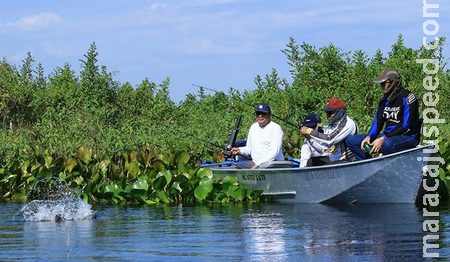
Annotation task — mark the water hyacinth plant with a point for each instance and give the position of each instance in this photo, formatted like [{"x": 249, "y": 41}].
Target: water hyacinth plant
[{"x": 145, "y": 177}]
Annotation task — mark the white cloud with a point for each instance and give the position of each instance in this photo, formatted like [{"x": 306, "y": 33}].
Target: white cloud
[
  {"x": 209, "y": 46},
  {"x": 204, "y": 3},
  {"x": 35, "y": 22},
  {"x": 156, "y": 7},
  {"x": 340, "y": 14}
]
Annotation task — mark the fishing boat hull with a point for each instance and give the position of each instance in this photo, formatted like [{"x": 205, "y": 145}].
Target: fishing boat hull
[{"x": 394, "y": 178}]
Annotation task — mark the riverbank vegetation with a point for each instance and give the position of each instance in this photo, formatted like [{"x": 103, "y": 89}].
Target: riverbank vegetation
[{"x": 118, "y": 143}]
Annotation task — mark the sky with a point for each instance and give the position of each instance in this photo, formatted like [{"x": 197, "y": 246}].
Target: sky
[{"x": 213, "y": 43}]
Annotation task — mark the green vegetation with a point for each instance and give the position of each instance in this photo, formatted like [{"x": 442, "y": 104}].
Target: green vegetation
[
  {"x": 120, "y": 143},
  {"x": 146, "y": 176}
]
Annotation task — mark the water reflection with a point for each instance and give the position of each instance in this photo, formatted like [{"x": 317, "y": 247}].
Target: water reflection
[
  {"x": 51, "y": 240},
  {"x": 263, "y": 232},
  {"x": 325, "y": 232}
]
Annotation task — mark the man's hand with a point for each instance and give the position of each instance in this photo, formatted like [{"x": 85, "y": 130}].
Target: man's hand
[
  {"x": 306, "y": 131},
  {"x": 366, "y": 140},
  {"x": 377, "y": 144},
  {"x": 235, "y": 151}
]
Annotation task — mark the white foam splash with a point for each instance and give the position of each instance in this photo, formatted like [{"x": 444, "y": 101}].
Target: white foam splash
[
  {"x": 55, "y": 201},
  {"x": 56, "y": 210}
]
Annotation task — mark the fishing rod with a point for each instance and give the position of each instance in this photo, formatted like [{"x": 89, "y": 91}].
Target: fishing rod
[
  {"x": 201, "y": 139},
  {"x": 247, "y": 104},
  {"x": 231, "y": 140}
]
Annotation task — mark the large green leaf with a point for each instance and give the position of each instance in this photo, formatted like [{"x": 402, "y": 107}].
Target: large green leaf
[
  {"x": 133, "y": 156},
  {"x": 35, "y": 166},
  {"x": 79, "y": 180},
  {"x": 176, "y": 185},
  {"x": 186, "y": 175},
  {"x": 46, "y": 174},
  {"x": 9, "y": 179},
  {"x": 163, "y": 196},
  {"x": 229, "y": 189},
  {"x": 182, "y": 158},
  {"x": 30, "y": 179},
  {"x": 230, "y": 179},
  {"x": 254, "y": 195},
  {"x": 183, "y": 168},
  {"x": 48, "y": 161},
  {"x": 103, "y": 165},
  {"x": 70, "y": 164},
  {"x": 159, "y": 165},
  {"x": 85, "y": 154},
  {"x": 133, "y": 168},
  {"x": 62, "y": 176},
  {"x": 19, "y": 196},
  {"x": 167, "y": 158},
  {"x": 159, "y": 183},
  {"x": 162, "y": 179},
  {"x": 96, "y": 178},
  {"x": 140, "y": 187},
  {"x": 128, "y": 188},
  {"x": 111, "y": 190},
  {"x": 205, "y": 172},
  {"x": 239, "y": 194},
  {"x": 25, "y": 166},
  {"x": 167, "y": 175},
  {"x": 203, "y": 189}
]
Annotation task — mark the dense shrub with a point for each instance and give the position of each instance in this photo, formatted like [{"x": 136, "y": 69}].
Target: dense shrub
[{"x": 60, "y": 112}]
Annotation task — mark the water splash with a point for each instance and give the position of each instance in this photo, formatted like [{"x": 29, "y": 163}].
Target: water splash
[{"x": 53, "y": 200}]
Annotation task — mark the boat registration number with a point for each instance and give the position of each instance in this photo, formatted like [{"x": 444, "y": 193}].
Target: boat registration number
[{"x": 257, "y": 177}]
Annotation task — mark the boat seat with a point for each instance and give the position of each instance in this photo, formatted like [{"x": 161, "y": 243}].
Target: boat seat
[{"x": 275, "y": 164}]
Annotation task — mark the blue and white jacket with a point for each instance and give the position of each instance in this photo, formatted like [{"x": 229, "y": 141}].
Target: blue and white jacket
[{"x": 401, "y": 116}]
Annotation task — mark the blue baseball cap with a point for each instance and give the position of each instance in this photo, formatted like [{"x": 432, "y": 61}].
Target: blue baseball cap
[
  {"x": 311, "y": 120},
  {"x": 263, "y": 108}
]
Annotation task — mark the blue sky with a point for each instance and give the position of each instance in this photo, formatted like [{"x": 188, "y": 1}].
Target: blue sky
[{"x": 214, "y": 43}]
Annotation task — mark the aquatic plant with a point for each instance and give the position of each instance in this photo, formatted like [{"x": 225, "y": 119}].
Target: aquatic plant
[{"x": 144, "y": 177}]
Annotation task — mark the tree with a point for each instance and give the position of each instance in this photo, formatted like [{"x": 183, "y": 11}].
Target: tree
[
  {"x": 89, "y": 69},
  {"x": 41, "y": 80}
]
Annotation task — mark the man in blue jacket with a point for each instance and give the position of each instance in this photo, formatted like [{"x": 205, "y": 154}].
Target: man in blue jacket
[{"x": 398, "y": 113}]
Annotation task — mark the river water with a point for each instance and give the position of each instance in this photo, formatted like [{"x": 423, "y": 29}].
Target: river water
[{"x": 260, "y": 232}]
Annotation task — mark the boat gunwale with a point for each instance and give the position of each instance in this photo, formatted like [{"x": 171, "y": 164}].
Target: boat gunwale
[{"x": 330, "y": 166}]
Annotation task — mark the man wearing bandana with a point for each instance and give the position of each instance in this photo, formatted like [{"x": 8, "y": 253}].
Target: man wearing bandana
[
  {"x": 339, "y": 127},
  {"x": 398, "y": 113}
]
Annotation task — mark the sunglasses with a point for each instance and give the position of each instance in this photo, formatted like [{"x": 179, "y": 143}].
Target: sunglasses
[
  {"x": 259, "y": 113},
  {"x": 382, "y": 84}
]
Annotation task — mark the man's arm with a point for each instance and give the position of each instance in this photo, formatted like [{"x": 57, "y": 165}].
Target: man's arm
[
  {"x": 305, "y": 155},
  {"x": 344, "y": 129},
  {"x": 276, "y": 144},
  {"x": 378, "y": 121},
  {"x": 246, "y": 150}
]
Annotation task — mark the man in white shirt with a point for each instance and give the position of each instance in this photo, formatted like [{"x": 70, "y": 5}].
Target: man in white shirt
[{"x": 264, "y": 140}]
